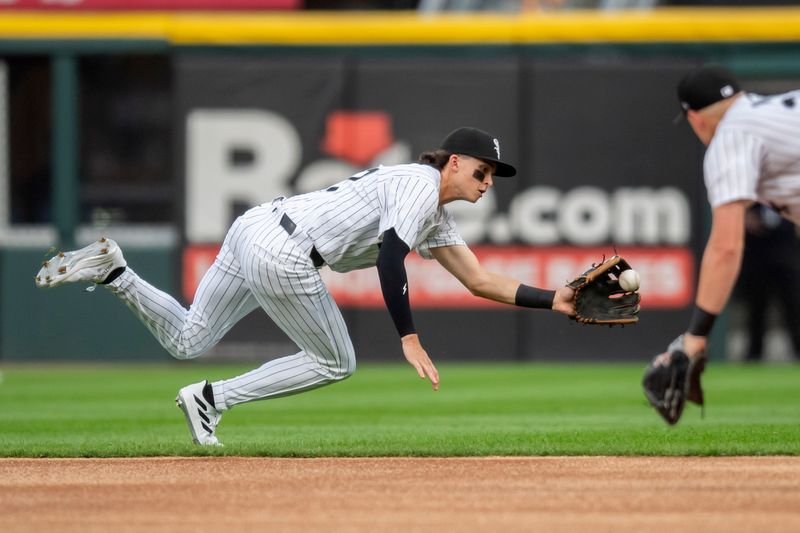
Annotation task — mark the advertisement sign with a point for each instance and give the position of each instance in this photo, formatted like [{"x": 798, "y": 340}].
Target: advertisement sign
[
  {"x": 257, "y": 128},
  {"x": 667, "y": 275}
]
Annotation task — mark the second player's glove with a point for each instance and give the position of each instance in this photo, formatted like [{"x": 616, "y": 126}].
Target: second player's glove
[
  {"x": 600, "y": 300},
  {"x": 673, "y": 377}
]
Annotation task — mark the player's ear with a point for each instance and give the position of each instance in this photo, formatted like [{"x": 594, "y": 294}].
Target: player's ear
[
  {"x": 693, "y": 117},
  {"x": 698, "y": 122}
]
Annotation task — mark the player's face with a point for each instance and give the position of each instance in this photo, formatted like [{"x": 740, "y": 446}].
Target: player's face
[{"x": 475, "y": 177}]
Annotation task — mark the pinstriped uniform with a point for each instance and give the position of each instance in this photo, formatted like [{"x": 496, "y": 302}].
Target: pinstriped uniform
[
  {"x": 345, "y": 220},
  {"x": 755, "y": 154},
  {"x": 261, "y": 265}
]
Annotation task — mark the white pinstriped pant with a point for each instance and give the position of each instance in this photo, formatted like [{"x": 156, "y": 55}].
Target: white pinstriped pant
[{"x": 259, "y": 264}]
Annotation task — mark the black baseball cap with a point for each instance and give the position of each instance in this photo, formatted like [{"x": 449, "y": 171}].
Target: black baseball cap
[
  {"x": 479, "y": 144},
  {"x": 705, "y": 86}
]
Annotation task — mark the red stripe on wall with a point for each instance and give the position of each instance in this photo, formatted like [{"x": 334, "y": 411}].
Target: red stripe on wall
[{"x": 667, "y": 275}]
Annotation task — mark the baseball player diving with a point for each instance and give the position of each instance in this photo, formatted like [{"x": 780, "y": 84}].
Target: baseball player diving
[
  {"x": 271, "y": 257},
  {"x": 753, "y": 155}
]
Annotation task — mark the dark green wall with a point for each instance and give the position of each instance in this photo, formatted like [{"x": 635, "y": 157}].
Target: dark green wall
[{"x": 68, "y": 323}]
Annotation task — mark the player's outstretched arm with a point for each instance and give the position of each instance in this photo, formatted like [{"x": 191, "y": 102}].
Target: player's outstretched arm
[
  {"x": 719, "y": 270},
  {"x": 673, "y": 377},
  {"x": 722, "y": 257},
  {"x": 461, "y": 262}
]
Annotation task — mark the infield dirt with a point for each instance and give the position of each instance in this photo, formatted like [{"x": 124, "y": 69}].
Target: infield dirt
[{"x": 616, "y": 494}]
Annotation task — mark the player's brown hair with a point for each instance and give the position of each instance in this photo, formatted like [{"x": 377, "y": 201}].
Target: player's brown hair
[{"x": 435, "y": 158}]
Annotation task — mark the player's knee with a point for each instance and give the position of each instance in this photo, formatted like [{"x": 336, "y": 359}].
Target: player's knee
[
  {"x": 340, "y": 364},
  {"x": 183, "y": 352},
  {"x": 188, "y": 346},
  {"x": 348, "y": 362},
  {"x": 347, "y": 371}
]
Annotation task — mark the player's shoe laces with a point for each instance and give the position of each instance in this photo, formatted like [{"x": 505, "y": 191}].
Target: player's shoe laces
[
  {"x": 201, "y": 416},
  {"x": 91, "y": 264}
]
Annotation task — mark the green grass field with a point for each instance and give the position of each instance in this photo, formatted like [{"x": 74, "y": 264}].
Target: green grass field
[{"x": 386, "y": 410}]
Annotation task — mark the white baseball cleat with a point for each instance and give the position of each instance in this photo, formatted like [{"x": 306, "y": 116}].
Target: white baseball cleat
[
  {"x": 201, "y": 417},
  {"x": 90, "y": 264}
]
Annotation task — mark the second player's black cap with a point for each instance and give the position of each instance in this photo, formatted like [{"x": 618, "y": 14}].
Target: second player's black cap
[
  {"x": 477, "y": 143},
  {"x": 705, "y": 86}
]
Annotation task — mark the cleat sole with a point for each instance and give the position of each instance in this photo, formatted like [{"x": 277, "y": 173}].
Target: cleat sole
[{"x": 183, "y": 408}]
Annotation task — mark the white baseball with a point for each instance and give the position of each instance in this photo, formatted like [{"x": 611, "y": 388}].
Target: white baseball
[{"x": 629, "y": 280}]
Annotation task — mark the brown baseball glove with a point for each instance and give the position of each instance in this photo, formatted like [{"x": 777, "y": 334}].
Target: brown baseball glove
[{"x": 600, "y": 300}]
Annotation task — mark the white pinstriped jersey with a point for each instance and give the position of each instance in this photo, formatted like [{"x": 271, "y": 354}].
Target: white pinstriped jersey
[
  {"x": 755, "y": 154},
  {"x": 265, "y": 262},
  {"x": 346, "y": 221}
]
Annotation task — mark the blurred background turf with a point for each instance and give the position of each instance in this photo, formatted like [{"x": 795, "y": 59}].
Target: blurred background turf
[{"x": 385, "y": 410}]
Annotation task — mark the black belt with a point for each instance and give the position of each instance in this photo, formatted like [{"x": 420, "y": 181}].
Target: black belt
[{"x": 287, "y": 224}]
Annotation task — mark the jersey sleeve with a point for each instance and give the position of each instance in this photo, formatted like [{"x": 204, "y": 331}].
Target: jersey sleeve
[
  {"x": 445, "y": 234},
  {"x": 406, "y": 206},
  {"x": 731, "y": 166}
]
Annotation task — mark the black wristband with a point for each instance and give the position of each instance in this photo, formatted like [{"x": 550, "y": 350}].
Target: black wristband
[
  {"x": 701, "y": 322},
  {"x": 528, "y": 296}
]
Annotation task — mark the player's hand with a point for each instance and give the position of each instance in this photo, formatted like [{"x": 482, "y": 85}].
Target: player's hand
[
  {"x": 693, "y": 344},
  {"x": 418, "y": 357},
  {"x": 564, "y": 301}
]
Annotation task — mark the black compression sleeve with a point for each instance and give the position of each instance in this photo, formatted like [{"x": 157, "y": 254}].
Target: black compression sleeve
[{"x": 394, "y": 282}]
